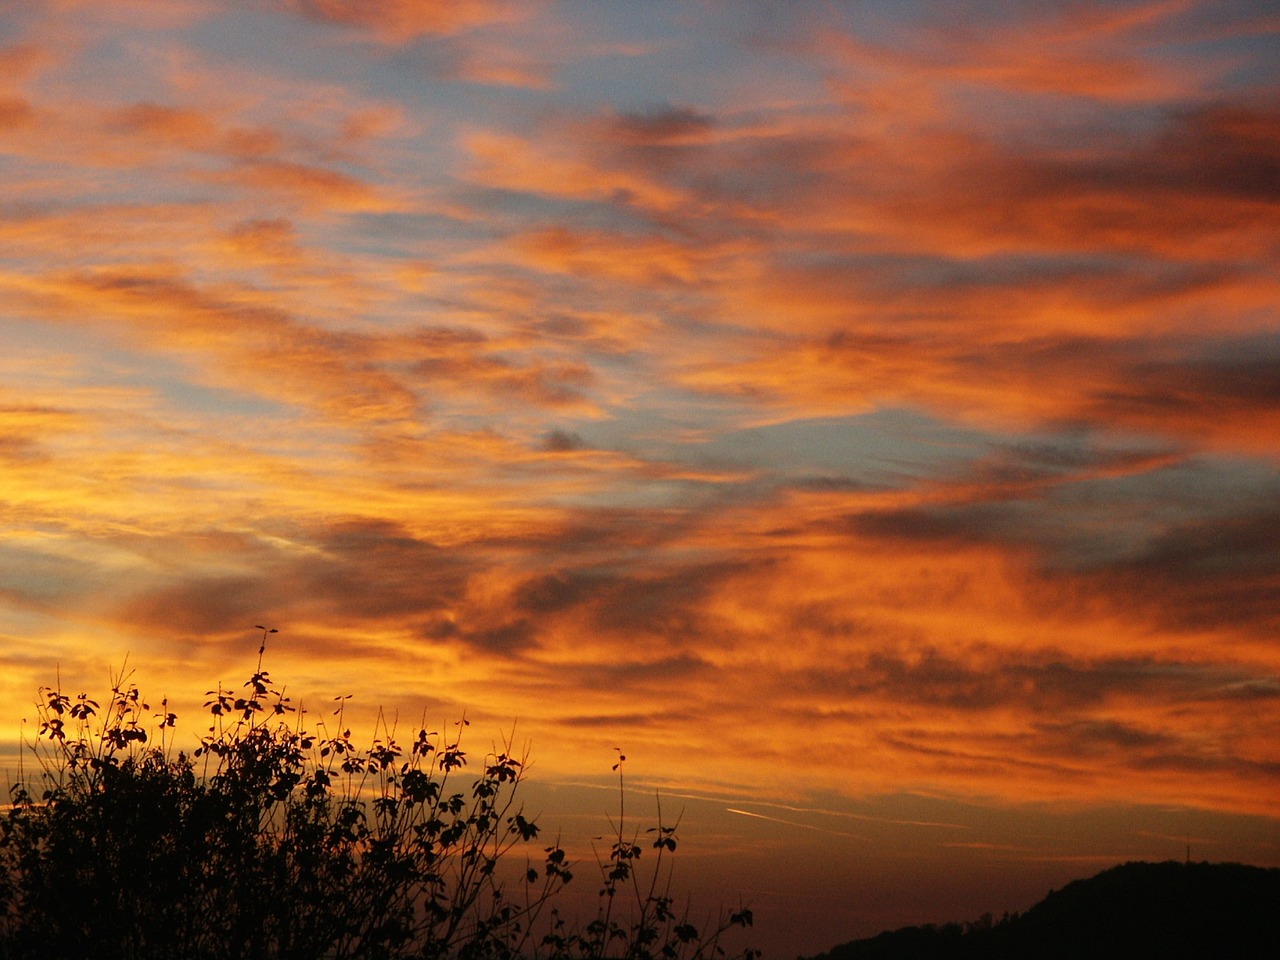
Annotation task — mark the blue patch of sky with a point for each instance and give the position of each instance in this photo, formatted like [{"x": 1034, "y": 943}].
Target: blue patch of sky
[
  {"x": 18, "y": 624},
  {"x": 1260, "y": 346},
  {"x": 261, "y": 39},
  {"x": 406, "y": 231},
  {"x": 176, "y": 388},
  {"x": 699, "y": 55},
  {"x": 45, "y": 572},
  {"x": 286, "y": 47},
  {"x": 1080, "y": 521},
  {"x": 1241, "y": 36},
  {"x": 1203, "y": 487},
  {"x": 889, "y": 447},
  {"x": 893, "y": 272},
  {"x": 1095, "y": 518},
  {"x": 424, "y": 78},
  {"x": 163, "y": 376},
  {"x": 120, "y": 66},
  {"x": 27, "y": 342},
  {"x": 520, "y": 208}
]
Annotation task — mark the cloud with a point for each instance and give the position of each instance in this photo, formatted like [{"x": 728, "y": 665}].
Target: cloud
[
  {"x": 890, "y": 407},
  {"x": 1208, "y": 394},
  {"x": 25, "y": 427},
  {"x": 175, "y": 125},
  {"x": 648, "y": 260},
  {"x": 152, "y": 15},
  {"x": 666, "y": 126},
  {"x": 261, "y": 349},
  {"x": 1228, "y": 401},
  {"x": 361, "y": 571},
  {"x": 317, "y": 188},
  {"x": 1047, "y": 682},
  {"x": 399, "y": 21},
  {"x": 554, "y": 592},
  {"x": 624, "y": 721},
  {"x": 504, "y": 68},
  {"x": 272, "y": 242},
  {"x": 1207, "y": 574},
  {"x": 1176, "y": 195},
  {"x": 562, "y": 441},
  {"x": 15, "y": 113},
  {"x": 1084, "y": 268},
  {"x": 18, "y": 62},
  {"x": 1107, "y": 54},
  {"x": 506, "y": 162}
]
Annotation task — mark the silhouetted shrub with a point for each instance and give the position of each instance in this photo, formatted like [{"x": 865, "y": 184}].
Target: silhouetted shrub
[{"x": 269, "y": 840}]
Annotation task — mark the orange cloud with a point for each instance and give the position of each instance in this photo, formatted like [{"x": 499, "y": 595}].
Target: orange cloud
[
  {"x": 1081, "y": 52},
  {"x": 651, "y": 261},
  {"x": 511, "y": 163},
  {"x": 313, "y": 187},
  {"x": 399, "y": 21},
  {"x": 16, "y": 112},
  {"x": 265, "y": 350},
  {"x": 183, "y": 127},
  {"x": 918, "y": 637},
  {"x": 20, "y": 61}
]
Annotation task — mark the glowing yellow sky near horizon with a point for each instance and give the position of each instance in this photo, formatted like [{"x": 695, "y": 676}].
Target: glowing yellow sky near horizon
[{"x": 827, "y": 401}]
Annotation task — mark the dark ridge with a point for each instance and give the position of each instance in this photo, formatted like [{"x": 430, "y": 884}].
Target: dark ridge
[{"x": 1171, "y": 910}]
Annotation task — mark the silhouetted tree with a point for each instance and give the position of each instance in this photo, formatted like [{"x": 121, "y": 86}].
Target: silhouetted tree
[{"x": 268, "y": 840}]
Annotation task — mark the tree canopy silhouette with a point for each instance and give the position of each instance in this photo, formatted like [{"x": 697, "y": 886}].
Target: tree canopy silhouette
[{"x": 269, "y": 839}]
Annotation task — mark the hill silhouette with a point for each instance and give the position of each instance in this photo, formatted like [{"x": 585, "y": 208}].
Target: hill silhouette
[{"x": 1171, "y": 910}]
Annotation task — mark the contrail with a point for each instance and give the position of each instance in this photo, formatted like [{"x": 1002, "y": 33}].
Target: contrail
[
  {"x": 824, "y": 812},
  {"x": 795, "y": 823},
  {"x": 865, "y": 817},
  {"x": 772, "y": 805}
]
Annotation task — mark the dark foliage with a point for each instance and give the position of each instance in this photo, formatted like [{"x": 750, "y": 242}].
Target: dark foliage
[
  {"x": 1196, "y": 911},
  {"x": 268, "y": 840}
]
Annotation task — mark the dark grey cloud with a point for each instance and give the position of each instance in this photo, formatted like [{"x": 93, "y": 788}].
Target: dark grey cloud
[
  {"x": 1183, "y": 386},
  {"x": 20, "y": 447},
  {"x": 554, "y": 592},
  {"x": 1200, "y": 763},
  {"x": 1093, "y": 736},
  {"x": 661, "y": 137},
  {"x": 562, "y": 441},
  {"x": 1198, "y": 388},
  {"x": 662, "y": 124},
  {"x": 1040, "y": 683},
  {"x": 376, "y": 570},
  {"x": 631, "y": 677},
  {"x": 983, "y": 759},
  {"x": 941, "y": 525},
  {"x": 504, "y": 639},
  {"x": 358, "y": 571},
  {"x": 666, "y": 602},
  {"x": 1082, "y": 749},
  {"x": 365, "y": 572},
  {"x": 1225, "y": 149},
  {"x": 625, "y": 721},
  {"x": 205, "y": 607},
  {"x": 1221, "y": 573}
]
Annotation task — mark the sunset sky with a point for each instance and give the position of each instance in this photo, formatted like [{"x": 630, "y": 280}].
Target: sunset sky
[{"x": 864, "y": 414}]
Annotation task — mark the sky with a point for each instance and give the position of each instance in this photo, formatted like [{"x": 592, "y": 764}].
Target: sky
[{"x": 864, "y": 415}]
